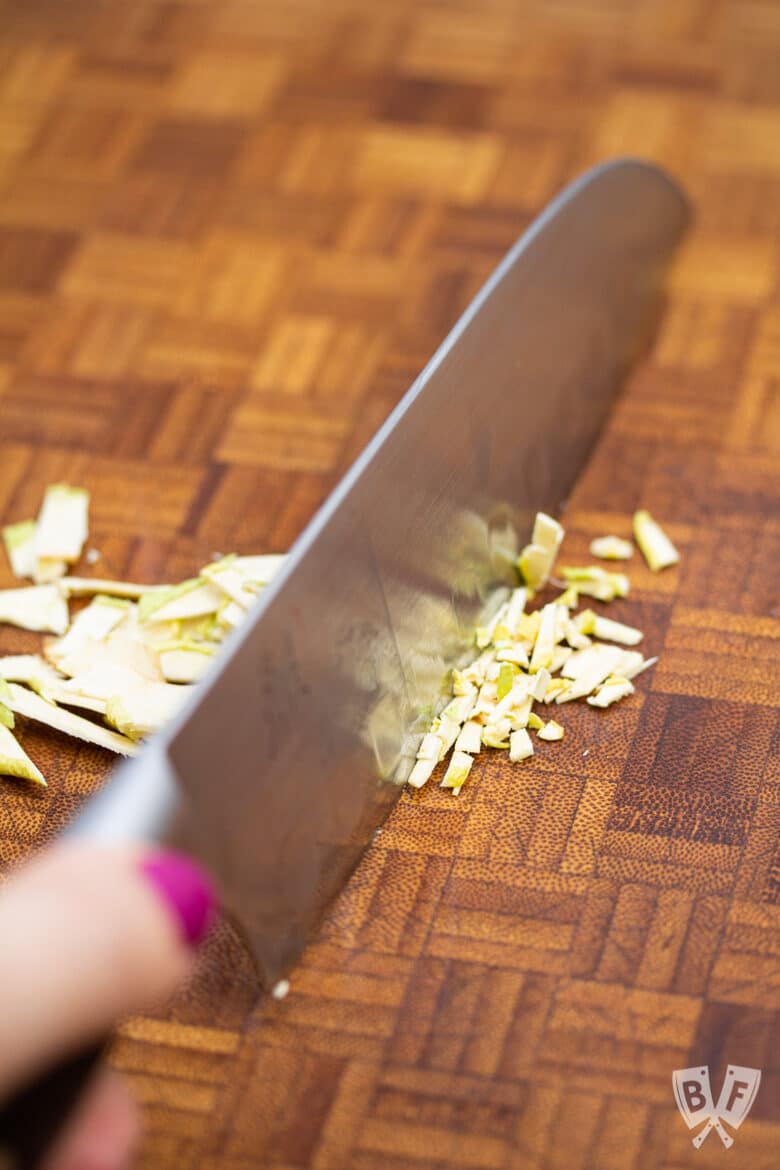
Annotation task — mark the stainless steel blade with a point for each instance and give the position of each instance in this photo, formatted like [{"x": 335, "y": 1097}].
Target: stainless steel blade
[{"x": 296, "y": 746}]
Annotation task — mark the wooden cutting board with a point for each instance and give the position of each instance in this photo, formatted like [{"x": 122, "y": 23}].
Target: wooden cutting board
[{"x": 230, "y": 234}]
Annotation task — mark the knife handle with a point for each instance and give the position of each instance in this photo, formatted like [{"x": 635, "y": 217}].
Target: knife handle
[{"x": 34, "y": 1117}]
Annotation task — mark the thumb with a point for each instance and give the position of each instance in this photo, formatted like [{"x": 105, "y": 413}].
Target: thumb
[{"x": 88, "y": 935}]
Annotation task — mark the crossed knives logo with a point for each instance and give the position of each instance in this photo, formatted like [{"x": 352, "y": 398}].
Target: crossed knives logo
[{"x": 693, "y": 1095}]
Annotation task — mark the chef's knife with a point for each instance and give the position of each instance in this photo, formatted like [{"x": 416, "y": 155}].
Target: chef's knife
[{"x": 297, "y": 744}]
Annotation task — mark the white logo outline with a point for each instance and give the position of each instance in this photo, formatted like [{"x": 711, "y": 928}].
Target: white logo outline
[{"x": 693, "y": 1095}]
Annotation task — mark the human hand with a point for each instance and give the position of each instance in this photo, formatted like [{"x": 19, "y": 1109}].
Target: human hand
[{"x": 88, "y": 935}]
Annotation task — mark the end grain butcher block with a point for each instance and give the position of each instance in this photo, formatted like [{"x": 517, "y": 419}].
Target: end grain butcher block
[{"x": 230, "y": 235}]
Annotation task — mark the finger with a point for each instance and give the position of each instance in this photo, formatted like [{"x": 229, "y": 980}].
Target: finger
[
  {"x": 104, "y": 1131},
  {"x": 89, "y": 935}
]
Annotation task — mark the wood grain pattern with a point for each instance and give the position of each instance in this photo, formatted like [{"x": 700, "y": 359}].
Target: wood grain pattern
[{"x": 230, "y": 235}]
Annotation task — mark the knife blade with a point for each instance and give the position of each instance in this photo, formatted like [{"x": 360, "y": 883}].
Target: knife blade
[{"x": 296, "y": 746}]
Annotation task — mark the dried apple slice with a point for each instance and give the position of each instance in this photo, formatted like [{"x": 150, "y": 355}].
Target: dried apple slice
[
  {"x": 457, "y": 773},
  {"x": 520, "y": 746},
  {"x": 470, "y": 738},
  {"x": 551, "y": 732},
  {"x": 232, "y": 581},
  {"x": 611, "y": 548},
  {"x": 185, "y": 662},
  {"x": 30, "y": 669},
  {"x": 610, "y": 691},
  {"x": 41, "y": 608},
  {"x": 657, "y": 548},
  {"x": 262, "y": 568},
  {"x": 610, "y": 631},
  {"x": 6, "y": 714},
  {"x": 93, "y": 624},
  {"x": 14, "y": 760},
  {"x": 140, "y": 710},
  {"x": 193, "y": 598},
  {"x": 587, "y": 669},
  {"x": 88, "y": 586},
  {"x": 422, "y": 772},
  {"x": 32, "y": 706},
  {"x": 593, "y": 581},
  {"x": 19, "y": 540},
  {"x": 61, "y": 530}
]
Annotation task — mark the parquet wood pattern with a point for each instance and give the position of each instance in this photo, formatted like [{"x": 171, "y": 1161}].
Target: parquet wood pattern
[{"x": 231, "y": 232}]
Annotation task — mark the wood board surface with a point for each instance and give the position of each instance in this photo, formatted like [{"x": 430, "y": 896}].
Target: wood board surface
[{"x": 230, "y": 235}]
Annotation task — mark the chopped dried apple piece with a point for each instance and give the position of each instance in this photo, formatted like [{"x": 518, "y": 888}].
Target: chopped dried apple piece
[
  {"x": 585, "y": 621},
  {"x": 570, "y": 597},
  {"x": 230, "y": 615},
  {"x": 506, "y": 677},
  {"x": 547, "y": 532},
  {"x": 520, "y": 746},
  {"x": 495, "y": 735},
  {"x": 19, "y": 542},
  {"x": 521, "y": 687},
  {"x": 430, "y": 748},
  {"x": 458, "y": 770},
  {"x": 593, "y": 581},
  {"x": 537, "y": 558},
  {"x": 555, "y": 688},
  {"x": 29, "y": 669},
  {"x": 550, "y": 631},
  {"x": 422, "y": 772},
  {"x": 92, "y": 688},
  {"x": 540, "y": 683},
  {"x": 48, "y": 570},
  {"x": 462, "y": 684},
  {"x": 515, "y": 653},
  {"x": 528, "y": 627},
  {"x": 484, "y": 634},
  {"x": 140, "y": 710},
  {"x": 612, "y": 689},
  {"x": 193, "y": 598},
  {"x": 632, "y": 664},
  {"x": 535, "y": 564},
  {"x": 14, "y": 761},
  {"x": 575, "y": 636},
  {"x": 515, "y": 609},
  {"x": 470, "y": 738},
  {"x": 185, "y": 662},
  {"x": 657, "y": 548},
  {"x": 611, "y": 548},
  {"x": 59, "y": 693},
  {"x": 262, "y": 568},
  {"x": 551, "y": 732},
  {"x": 610, "y": 631},
  {"x": 587, "y": 669},
  {"x": 129, "y": 645},
  {"x": 520, "y": 714},
  {"x": 458, "y": 710},
  {"x": 61, "y": 530},
  {"x": 6, "y": 714},
  {"x": 41, "y": 608},
  {"x": 447, "y": 732},
  {"x": 561, "y": 655},
  {"x": 88, "y": 586},
  {"x": 32, "y": 706},
  {"x": 93, "y": 624},
  {"x": 232, "y": 581}
]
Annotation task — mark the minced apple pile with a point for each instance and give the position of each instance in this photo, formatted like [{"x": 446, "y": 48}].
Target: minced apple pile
[
  {"x": 552, "y": 654},
  {"x": 130, "y": 655},
  {"x": 124, "y": 656}
]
